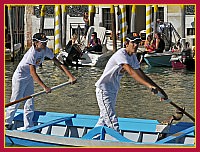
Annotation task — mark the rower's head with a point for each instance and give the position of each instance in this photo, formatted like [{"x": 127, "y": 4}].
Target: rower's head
[
  {"x": 40, "y": 40},
  {"x": 132, "y": 42}
]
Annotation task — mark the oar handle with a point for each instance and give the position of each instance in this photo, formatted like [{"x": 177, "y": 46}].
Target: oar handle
[
  {"x": 60, "y": 85},
  {"x": 17, "y": 101},
  {"x": 53, "y": 88},
  {"x": 36, "y": 94}
]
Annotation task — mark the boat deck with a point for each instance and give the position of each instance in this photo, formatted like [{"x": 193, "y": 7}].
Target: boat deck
[{"x": 131, "y": 130}]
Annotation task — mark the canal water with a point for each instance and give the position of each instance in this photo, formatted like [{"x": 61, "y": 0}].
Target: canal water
[{"x": 134, "y": 100}]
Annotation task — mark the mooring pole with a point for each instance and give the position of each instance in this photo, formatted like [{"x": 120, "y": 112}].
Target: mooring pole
[
  {"x": 11, "y": 33},
  {"x": 112, "y": 13}
]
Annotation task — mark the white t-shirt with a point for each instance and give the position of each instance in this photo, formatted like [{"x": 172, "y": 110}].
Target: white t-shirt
[
  {"x": 32, "y": 57},
  {"x": 110, "y": 79}
]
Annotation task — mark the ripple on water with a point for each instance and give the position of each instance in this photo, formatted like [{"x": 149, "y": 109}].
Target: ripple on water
[{"x": 133, "y": 100}]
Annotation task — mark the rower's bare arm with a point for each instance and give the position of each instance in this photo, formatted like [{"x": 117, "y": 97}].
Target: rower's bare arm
[
  {"x": 37, "y": 79},
  {"x": 136, "y": 76},
  {"x": 63, "y": 68}
]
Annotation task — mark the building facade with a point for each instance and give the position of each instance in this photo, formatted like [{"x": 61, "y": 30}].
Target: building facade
[{"x": 167, "y": 13}]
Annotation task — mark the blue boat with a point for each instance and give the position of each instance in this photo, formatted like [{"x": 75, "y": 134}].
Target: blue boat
[
  {"x": 61, "y": 129},
  {"x": 158, "y": 59}
]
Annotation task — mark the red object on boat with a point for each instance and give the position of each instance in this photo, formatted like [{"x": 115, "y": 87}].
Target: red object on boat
[{"x": 177, "y": 65}]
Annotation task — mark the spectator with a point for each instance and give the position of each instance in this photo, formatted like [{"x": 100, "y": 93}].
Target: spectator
[
  {"x": 86, "y": 20},
  {"x": 71, "y": 42},
  {"x": 177, "y": 47},
  {"x": 94, "y": 44},
  {"x": 148, "y": 44},
  {"x": 160, "y": 26},
  {"x": 159, "y": 43}
]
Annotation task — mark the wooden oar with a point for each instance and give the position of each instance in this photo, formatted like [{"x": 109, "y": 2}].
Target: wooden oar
[
  {"x": 182, "y": 110},
  {"x": 36, "y": 94},
  {"x": 158, "y": 93}
]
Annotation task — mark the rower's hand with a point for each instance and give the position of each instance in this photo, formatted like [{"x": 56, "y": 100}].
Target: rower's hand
[
  {"x": 154, "y": 90},
  {"x": 73, "y": 80},
  {"x": 47, "y": 89},
  {"x": 163, "y": 96}
]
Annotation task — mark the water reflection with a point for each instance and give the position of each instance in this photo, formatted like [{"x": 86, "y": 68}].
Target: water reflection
[{"x": 134, "y": 100}]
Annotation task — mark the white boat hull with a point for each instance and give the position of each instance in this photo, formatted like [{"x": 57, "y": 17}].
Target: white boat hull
[{"x": 8, "y": 53}]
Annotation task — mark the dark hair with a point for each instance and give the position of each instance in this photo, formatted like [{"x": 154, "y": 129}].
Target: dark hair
[
  {"x": 159, "y": 34},
  {"x": 187, "y": 44},
  {"x": 150, "y": 35},
  {"x": 85, "y": 14},
  {"x": 95, "y": 34}
]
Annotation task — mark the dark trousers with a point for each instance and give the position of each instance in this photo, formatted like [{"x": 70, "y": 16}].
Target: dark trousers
[{"x": 96, "y": 48}]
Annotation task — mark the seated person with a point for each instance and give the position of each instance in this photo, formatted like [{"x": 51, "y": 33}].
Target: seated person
[
  {"x": 159, "y": 43},
  {"x": 71, "y": 42},
  {"x": 149, "y": 45},
  {"x": 73, "y": 49},
  {"x": 177, "y": 47},
  {"x": 187, "y": 51},
  {"x": 187, "y": 57},
  {"x": 94, "y": 44}
]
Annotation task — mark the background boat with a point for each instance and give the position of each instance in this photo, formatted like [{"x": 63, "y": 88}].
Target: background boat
[
  {"x": 8, "y": 52},
  {"x": 158, "y": 59}
]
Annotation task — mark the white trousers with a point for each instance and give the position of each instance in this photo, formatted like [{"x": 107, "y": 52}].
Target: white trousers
[
  {"x": 21, "y": 88},
  {"x": 107, "y": 102}
]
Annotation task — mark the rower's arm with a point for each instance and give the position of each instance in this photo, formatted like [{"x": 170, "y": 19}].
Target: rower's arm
[
  {"x": 149, "y": 80},
  {"x": 136, "y": 76},
  {"x": 37, "y": 79}
]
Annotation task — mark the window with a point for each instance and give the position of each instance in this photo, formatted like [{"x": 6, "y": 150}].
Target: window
[
  {"x": 77, "y": 10},
  {"x": 49, "y": 10},
  {"x": 160, "y": 13},
  {"x": 72, "y": 10},
  {"x": 49, "y": 32},
  {"x": 190, "y": 31},
  {"x": 107, "y": 19},
  {"x": 190, "y": 9}
]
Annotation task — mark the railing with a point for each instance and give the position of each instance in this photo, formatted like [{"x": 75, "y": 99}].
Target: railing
[{"x": 170, "y": 35}]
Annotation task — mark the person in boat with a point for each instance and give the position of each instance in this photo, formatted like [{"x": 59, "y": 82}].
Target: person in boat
[
  {"x": 187, "y": 57},
  {"x": 94, "y": 44},
  {"x": 73, "y": 49},
  {"x": 177, "y": 47},
  {"x": 159, "y": 43},
  {"x": 160, "y": 26},
  {"x": 188, "y": 50},
  {"x": 72, "y": 41},
  {"x": 107, "y": 87},
  {"x": 149, "y": 46},
  {"x": 25, "y": 75}
]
